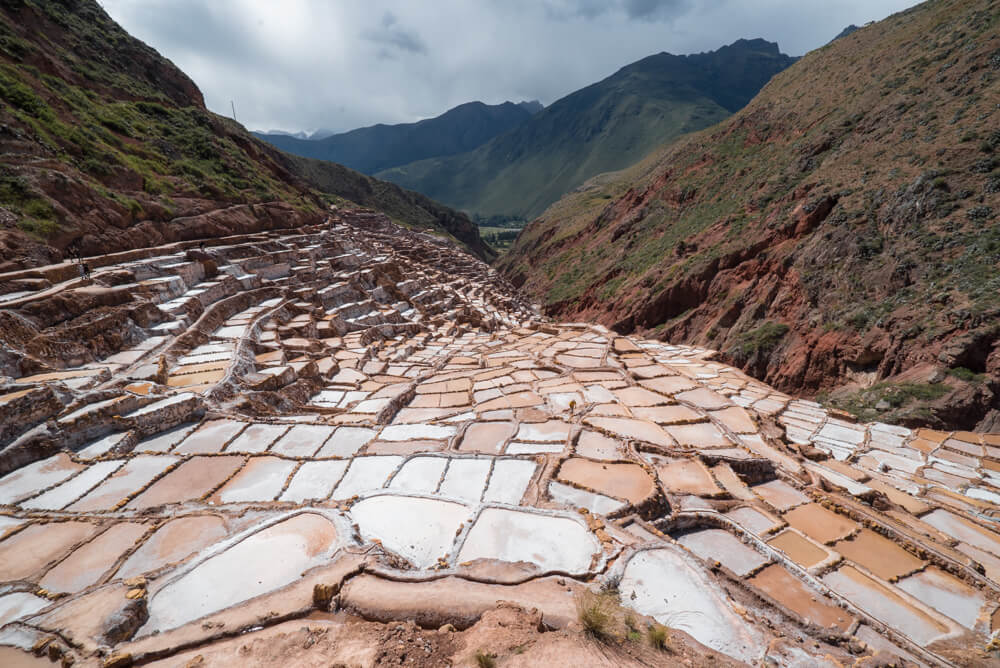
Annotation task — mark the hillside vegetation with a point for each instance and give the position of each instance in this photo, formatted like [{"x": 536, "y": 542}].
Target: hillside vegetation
[
  {"x": 606, "y": 126},
  {"x": 853, "y": 202},
  {"x": 107, "y": 146}
]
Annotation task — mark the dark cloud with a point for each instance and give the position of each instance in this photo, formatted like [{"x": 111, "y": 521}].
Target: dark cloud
[
  {"x": 392, "y": 37},
  {"x": 305, "y": 64},
  {"x": 655, "y": 10}
]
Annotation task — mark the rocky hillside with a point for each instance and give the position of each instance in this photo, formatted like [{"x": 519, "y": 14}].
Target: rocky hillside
[
  {"x": 107, "y": 146},
  {"x": 608, "y": 125},
  {"x": 839, "y": 234},
  {"x": 381, "y": 146}
]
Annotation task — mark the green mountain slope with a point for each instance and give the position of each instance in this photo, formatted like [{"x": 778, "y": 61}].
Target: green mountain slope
[
  {"x": 603, "y": 127},
  {"x": 379, "y": 147},
  {"x": 839, "y": 230},
  {"x": 108, "y": 146}
]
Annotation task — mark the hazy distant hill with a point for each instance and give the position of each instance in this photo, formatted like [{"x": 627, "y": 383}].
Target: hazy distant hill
[
  {"x": 382, "y": 146},
  {"x": 606, "y": 126}
]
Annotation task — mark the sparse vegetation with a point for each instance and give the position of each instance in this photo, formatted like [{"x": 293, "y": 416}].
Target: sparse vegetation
[
  {"x": 485, "y": 660},
  {"x": 596, "y": 613},
  {"x": 659, "y": 637},
  {"x": 762, "y": 339}
]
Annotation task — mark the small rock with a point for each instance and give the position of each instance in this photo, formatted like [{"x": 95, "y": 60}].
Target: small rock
[{"x": 119, "y": 660}]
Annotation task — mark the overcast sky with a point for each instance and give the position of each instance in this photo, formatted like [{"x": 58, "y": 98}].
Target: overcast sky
[{"x": 341, "y": 64}]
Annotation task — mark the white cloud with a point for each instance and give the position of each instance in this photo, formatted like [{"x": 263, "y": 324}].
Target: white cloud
[{"x": 303, "y": 64}]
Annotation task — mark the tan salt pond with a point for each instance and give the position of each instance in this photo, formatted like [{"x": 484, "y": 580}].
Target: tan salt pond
[
  {"x": 623, "y": 481},
  {"x": 597, "y": 446},
  {"x": 635, "y": 429},
  {"x": 779, "y": 494},
  {"x": 675, "y": 414},
  {"x": 685, "y": 476},
  {"x": 191, "y": 480},
  {"x": 86, "y": 565},
  {"x": 820, "y": 524},
  {"x": 172, "y": 542},
  {"x": 878, "y": 554},
  {"x": 799, "y": 549},
  {"x": 699, "y": 435},
  {"x": 669, "y": 384},
  {"x": 31, "y": 549},
  {"x": 486, "y": 437},
  {"x": 202, "y": 378},
  {"x": 262, "y": 479},
  {"x": 788, "y": 591}
]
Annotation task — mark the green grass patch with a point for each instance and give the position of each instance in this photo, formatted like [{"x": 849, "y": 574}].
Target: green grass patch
[{"x": 763, "y": 339}]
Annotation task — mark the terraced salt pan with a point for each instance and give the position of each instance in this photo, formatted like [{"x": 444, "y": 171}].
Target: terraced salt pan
[
  {"x": 346, "y": 442},
  {"x": 366, "y": 474},
  {"x": 314, "y": 480},
  {"x": 419, "y": 475},
  {"x": 31, "y": 549},
  {"x": 780, "y": 494},
  {"x": 578, "y": 498},
  {"x": 411, "y": 432},
  {"x": 880, "y": 555},
  {"x": 61, "y": 496},
  {"x": 257, "y": 438},
  {"x": 551, "y": 543},
  {"x": 210, "y": 437},
  {"x": 946, "y": 594},
  {"x": 465, "y": 479},
  {"x": 302, "y": 440},
  {"x": 86, "y": 565},
  {"x": 597, "y": 446},
  {"x": 191, "y": 480},
  {"x": 635, "y": 429},
  {"x": 487, "y": 437},
  {"x": 622, "y": 481},
  {"x": 724, "y": 547},
  {"x": 799, "y": 549},
  {"x": 775, "y": 581},
  {"x": 420, "y": 530},
  {"x": 172, "y": 542},
  {"x": 753, "y": 520},
  {"x": 102, "y": 446},
  {"x": 963, "y": 530},
  {"x": 885, "y": 605},
  {"x": 165, "y": 440},
  {"x": 661, "y": 583},
  {"x": 20, "y": 604},
  {"x": 262, "y": 479},
  {"x": 28, "y": 480},
  {"x": 276, "y": 556},
  {"x": 135, "y": 475},
  {"x": 509, "y": 480},
  {"x": 820, "y": 524}
]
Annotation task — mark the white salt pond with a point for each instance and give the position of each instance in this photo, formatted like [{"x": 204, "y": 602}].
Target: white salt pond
[
  {"x": 20, "y": 604},
  {"x": 28, "y": 480},
  {"x": 314, "y": 480},
  {"x": 69, "y": 491},
  {"x": 366, "y": 474},
  {"x": 549, "y": 542},
  {"x": 420, "y": 530},
  {"x": 509, "y": 480},
  {"x": 465, "y": 479},
  {"x": 662, "y": 584},
  {"x": 724, "y": 547},
  {"x": 261, "y": 479},
  {"x": 260, "y": 563},
  {"x": 579, "y": 498},
  {"x": 346, "y": 441},
  {"x": 420, "y": 475},
  {"x": 302, "y": 440}
]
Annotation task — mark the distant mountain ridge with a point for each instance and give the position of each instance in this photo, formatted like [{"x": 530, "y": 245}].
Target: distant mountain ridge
[
  {"x": 377, "y": 147},
  {"x": 604, "y": 127}
]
